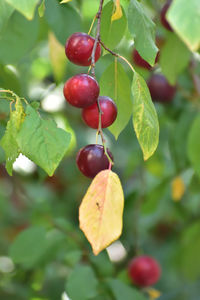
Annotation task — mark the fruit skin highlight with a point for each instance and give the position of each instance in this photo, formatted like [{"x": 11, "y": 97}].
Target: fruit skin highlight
[
  {"x": 78, "y": 49},
  {"x": 144, "y": 271},
  {"x": 108, "y": 107},
  {"x": 91, "y": 160},
  {"x": 81, "y": 90},
  {"x": 160, "y": 89},
  {"x": 163, "y": 13}
]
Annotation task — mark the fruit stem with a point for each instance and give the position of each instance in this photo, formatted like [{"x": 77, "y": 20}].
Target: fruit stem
[
  {"x": 98, "y": 17},
  {"x": 11, "y": 93},
  {"x": 117, "y": 55},
  {"x": 91, "y": 26}
]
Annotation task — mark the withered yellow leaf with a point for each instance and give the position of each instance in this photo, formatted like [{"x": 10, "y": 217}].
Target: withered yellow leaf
[
  {"x": 101, "y": 211},
  {"x": 65, "y": 1},
  {"x": 57, "y": 57},
  {"x": 118, "y": 11},
  {"x": 178, "y": 188},
  {"x": 153, "y": 294}
]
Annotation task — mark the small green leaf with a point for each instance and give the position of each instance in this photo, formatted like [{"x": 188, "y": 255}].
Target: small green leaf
[
  {"x": 42, "y": 142},
  {"x": 29, "y": 245},
  {"x": 26, "y": 8},
  {"x": 112, "y": 31},
  {"x": 82, "y": 283},
  {"x": 65, "y": 1},
  {"x": 5, "y": 12},
  {"x": 189, "y": 247},
  {"x": 62, "y": 19},
  {"x": 8, "y": 142},
  {"x": 19, "y": 34},
  {"x": 122, "y": 291},
  {"x": 174, "y": 58},
  {"x": 184, "y": 16},
  {"x": 193, "y": 146},
  {"x": 142, "y": 29},
  {"x": 57, "y": 57},
  {"x": 41, "y": 9},
  {"x": 145, "y": 120},
  {"x": 116, "y": 84}
]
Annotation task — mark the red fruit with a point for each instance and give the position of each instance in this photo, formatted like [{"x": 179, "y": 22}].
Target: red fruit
[
  {"x": 163, "y": 13},
  {"x": 81, "y": 90},
  {"x": 91, "y": 160},
  {"x": 79, "y": 47},
  {"x": 160, "y": 89},
  {"x": 144, "y": 271},
  {"x": 90, "y": 114},
  {"x": 140, "y": 62}
]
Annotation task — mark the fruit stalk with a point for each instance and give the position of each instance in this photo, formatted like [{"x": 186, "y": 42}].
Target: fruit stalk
[{"x": 97, "y": 38}]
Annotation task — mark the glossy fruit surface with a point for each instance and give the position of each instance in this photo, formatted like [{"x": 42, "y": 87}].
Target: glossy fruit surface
[
  {"x": 144, "y": 271},
  {"x": 140, "y": 62},
  {"x": 90, "y": 114},
  {"x": 81, "y": 90},
  {"x": 79, "y": 47},
  {"x": 163, "y": 13},
  {"x": 91, "y": 160},
  {"x": 160, "y": 89}
]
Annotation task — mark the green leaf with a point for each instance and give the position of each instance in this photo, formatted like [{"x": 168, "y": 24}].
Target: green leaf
[
  {"x": 145, "y": 120},
  {"x": 189, "y": 251},
  {"x": 174, "y": 58},
  {"x": 184, "y": 17},
  {"x": 29, "y": 245},
  {"x": 121, "y": 291},
  {"x": 8, "y": 142},
  {"x": 112, "y": 32},
  {"x": 142, "y": 29},
  {"x": 82, "y": 283},
  {"x": 57, "y": 57},
  {"x": 42, "y": 142},
  {"x": 9, "y": 78},
  {"x": 41, "y": 9},
  {"x": 5, "y": 12},
  {"x": 116, "y": 84},
  {"x": 178, "y": 146},
  {"x": 26, "y": 8},
  {"x": 193, "y": 146},
  {"x": 63, "y": 123},
  {"x": 18, "y": 38},
  {"x": 62, "y": 19}
]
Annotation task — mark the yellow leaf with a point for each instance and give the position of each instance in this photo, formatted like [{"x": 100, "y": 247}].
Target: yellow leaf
[
  {"x": 153, "y": 294},
  {"x": 118, "y": 11},
  {"x": 178, "y": 188},
  {"x": 65, "y": 1},
  {"x": 101, "y": 210},
  {"x": 57, "y": 57}
]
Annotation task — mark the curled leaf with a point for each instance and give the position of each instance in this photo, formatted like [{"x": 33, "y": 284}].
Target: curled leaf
[
  {"x": 65, "y": 1},
  {"x": 118, "y": 11},
  {"x": 153, "y": 293},
  {"x": 101, "y": 210},
  {"x": 178, "y": 188}
]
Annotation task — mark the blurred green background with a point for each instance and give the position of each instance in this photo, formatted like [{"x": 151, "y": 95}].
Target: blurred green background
[{"x": 43, "y": 254}]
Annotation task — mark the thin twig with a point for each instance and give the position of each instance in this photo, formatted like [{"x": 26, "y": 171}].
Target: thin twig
[
  {"x": 98, "y": 17},
  {"x": 117, "y": 55},
  {"x": 92, "y": 24},
  {"x": 92, "y": 67}
]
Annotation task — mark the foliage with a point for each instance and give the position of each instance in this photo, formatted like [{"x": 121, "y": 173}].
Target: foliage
[{"x": 43, "y": 253}]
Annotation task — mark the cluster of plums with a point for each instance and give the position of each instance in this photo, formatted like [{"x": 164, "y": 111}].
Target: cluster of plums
[
  {"x": 144, "y": 271},
  {"x": 159, "y": 87},
  {"x": 82, "y": 91}
]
